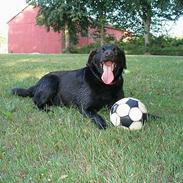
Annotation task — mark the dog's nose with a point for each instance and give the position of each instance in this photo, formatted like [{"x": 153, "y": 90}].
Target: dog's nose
[{"x": 109, "y": 54}]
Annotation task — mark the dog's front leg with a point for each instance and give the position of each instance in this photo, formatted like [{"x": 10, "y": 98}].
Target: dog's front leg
[{"x": 97, "y": 119}]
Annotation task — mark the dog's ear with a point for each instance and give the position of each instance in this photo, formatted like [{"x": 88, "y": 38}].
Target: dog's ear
[
  {"x": 90, "y": 58},
  {"x": 122, "y": 58}
]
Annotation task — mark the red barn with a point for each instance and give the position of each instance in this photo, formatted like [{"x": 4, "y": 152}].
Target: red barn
[{"x": 24, "y": 36}]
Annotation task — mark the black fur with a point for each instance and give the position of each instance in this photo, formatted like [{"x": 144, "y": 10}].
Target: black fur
[{"x": 83, "y": 88}]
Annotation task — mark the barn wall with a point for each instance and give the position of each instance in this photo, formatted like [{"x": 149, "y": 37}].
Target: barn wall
[
  {"x": 25, "y": 36},
  {"x": 91, "y": 38},
  {"x": 116, "y": 33},
  {"x": 82, "y": 41}
]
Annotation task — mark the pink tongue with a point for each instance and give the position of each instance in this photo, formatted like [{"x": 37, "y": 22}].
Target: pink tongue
[{"x": 107, "y": 76}]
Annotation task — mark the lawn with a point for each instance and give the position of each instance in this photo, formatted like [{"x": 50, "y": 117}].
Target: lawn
[{"x": 63, "y": 146}]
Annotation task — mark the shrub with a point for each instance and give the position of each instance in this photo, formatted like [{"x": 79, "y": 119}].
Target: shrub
[
  {"x": 159, "y": 46},
  {"x": 87, "y": 49},
  {"x": 163, "y": 41},
  {"x": 167, "y": 51},
  {"x": 135, "y": 46}
]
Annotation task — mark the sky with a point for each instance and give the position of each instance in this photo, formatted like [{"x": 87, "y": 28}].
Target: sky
[
  {"x": 176, "y": 29},
  {"x": 9, "y": 8}
]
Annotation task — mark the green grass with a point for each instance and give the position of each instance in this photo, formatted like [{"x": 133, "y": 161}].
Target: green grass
[{"x": 62, "y": 146}]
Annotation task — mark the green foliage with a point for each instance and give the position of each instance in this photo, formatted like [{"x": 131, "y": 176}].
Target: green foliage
[
  {"x": 142, "y": 17},
  {"x": 145, "y": 17},
  {"x": 54, "y": 14},
  {"x": 163, "y": 41},
  {"x": 159, "y": 46},
  {"x": 110, "y": 39},
  {"x": 131, "y": 14},
  {"x": 101, "y": 13},
  {"x": 87, "y": 49},
  {"x": 63, "y": 146},
  {"x": 166, "y": 51}
]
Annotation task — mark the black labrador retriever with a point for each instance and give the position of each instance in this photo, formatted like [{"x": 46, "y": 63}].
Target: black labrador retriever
[{"x": 98, "y": 84}]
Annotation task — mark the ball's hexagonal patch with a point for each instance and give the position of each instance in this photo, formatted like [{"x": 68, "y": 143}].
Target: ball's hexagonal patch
[
  {"x": 123, "y": 110},
  {"x": 135, "y": 114}
]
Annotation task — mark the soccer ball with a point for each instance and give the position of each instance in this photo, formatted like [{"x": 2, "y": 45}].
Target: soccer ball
[{"x": 129, "y": 113}]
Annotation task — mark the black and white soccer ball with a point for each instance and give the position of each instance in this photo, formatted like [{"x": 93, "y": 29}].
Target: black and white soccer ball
[{"x": 129, "y": 113}]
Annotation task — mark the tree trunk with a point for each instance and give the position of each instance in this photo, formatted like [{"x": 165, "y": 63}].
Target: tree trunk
[
  {"x": 102, "y": 35},
  {"x": 102, "y": 32},
  {"x": 147, "y": 24},
  {"x": 67, "y": 38}
]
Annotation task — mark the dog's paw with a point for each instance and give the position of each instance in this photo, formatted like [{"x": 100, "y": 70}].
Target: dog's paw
[{"x": 100, "y": 122}]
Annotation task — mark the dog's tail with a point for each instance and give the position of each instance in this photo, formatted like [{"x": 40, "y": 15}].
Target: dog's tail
[{"x": 23, "y": 92}]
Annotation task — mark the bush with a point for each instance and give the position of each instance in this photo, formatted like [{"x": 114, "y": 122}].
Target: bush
[
  {"x": 163, "y": 42},
  {"x": 159, "y": 46},
  {"x": 70, "y": 50},
  {"x": 134, "y": 47},
  {"x": 166, "y": 46},
  {"x": 174, "y": 51},
  {"x": 88, "y": 48}
]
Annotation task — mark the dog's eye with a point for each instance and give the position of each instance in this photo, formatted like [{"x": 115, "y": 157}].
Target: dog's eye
[{"x": 114, "y": 50}]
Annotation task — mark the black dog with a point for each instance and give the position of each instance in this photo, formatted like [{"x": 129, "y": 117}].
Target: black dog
[{"x": 97, "y": 85}]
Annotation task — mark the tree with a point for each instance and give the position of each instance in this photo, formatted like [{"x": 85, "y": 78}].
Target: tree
[
  {"x": 67, "y": 15},
  {"x": 100, "y": 11},
  {"x": 144, "y": 15}
]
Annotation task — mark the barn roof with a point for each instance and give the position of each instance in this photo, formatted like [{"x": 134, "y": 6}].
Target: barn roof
[{"x": 18, "y": 13}]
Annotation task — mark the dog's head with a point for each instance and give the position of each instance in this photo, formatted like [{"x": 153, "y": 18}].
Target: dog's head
[{"x": 107, "y": 63}]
